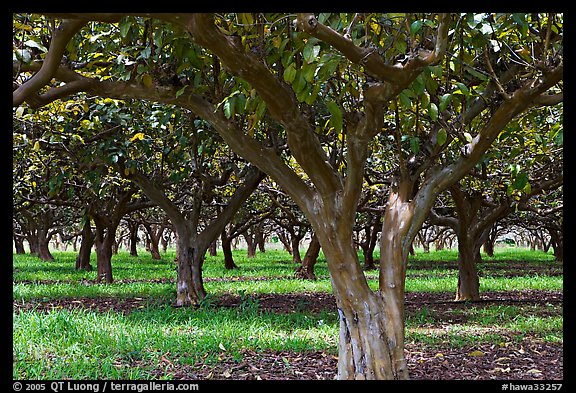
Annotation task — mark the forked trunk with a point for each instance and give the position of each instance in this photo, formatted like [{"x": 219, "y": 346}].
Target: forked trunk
[{"x": 369, "y": 345}]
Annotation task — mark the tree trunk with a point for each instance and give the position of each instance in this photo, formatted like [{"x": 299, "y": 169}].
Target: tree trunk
[
  {"x": 214, "y": 248},
  {"x": 557, "y": 241},
  {"x": 251, "y": 244},
  {"x": 369, "y": 245},
  {"x": 368, "y": 257},
  {"x": 260, "y": 241},
  {"x": 43, "y": 246},
  {"x": 489, "y": 247},
  {"x": 285, "y": 242},
  {"x": 366, "y": 349},
  {"x": 133, "y": 239},
  {"x": 189, "y": 286},
  {"x": 306, "y": 269},
  {"x": 104, "y": 244},
  {"x": 154, "y": 235},
  {"x": 295, "y": 246},
  {"x": 83, "y": 258},
  {"x": 19, "y": 245},
  {"x": 32, "y": 243},
  {"x": 468, "y": 280},
  {"x": 227, "y": 251}
]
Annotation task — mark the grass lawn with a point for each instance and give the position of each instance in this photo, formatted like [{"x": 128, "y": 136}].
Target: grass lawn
[{"x": 83, "y": 343}]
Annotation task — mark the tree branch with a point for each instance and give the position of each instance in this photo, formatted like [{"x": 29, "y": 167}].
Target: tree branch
[
  {"x": 60, "y": 38},
  {"x": 280, "y": 100}
]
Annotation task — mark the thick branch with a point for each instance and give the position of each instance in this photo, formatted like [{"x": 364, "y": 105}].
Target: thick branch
[
  {"x": 279, "y": 98},
  {"x": 442, "y": 178},
  {"x": 60, "y": 38},
  {"x": 369, "y": 57}
]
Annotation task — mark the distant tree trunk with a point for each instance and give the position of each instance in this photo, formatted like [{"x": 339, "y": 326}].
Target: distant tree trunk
[
  {"x": 133, "y": 238},
  {"x": 164, "y": 241},
  {"x": 189, "y": 286},
  {"x": 104, "y": 243},
  {"x": 213, "y": 250},
  {"x": 557, "y": 242},
  {"x": 115, "y": 247},
  {"x": 489, "y": 248},
  {"x": 259, "y": 239},
  {"x": 369, "y": 244},
  {"x": 285, "y": 242},
  {"x": 306, "y": 269},
  {"x": 251, "y": 244},
  {"x": 468, "y": 280},
  {"x": 154, "y": 235},
  {"x": 19, "y": 244},
  {"x": 104, "y": 259},
  {"x": 490, "y": 241},
  {"x": 295, "y": 239},
  {"x": 43, "y": 245},
  {"x": 227, "y": 251},
  {"x": 425, "y": 242},
  {"x": 32, "y": 243},
  {"x": 83, "y": 258}
]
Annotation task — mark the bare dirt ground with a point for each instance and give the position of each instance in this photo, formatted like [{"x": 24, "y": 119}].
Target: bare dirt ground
[{"x": 525, "y": 359}]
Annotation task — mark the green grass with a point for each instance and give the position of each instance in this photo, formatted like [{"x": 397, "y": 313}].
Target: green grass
[
  {"x": 84, "y": 344},
  {"x": 87, "y": 345}
]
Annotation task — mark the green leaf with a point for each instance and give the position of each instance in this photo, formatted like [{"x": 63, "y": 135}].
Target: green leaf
[
  {"x": 181, "y": 91},
  {"x": 327, "y": 69},
  {"x": 310, "y": 52},
  {"x": 290, "y": 73},
  {"x": 240, "y": 103},
  {"x": 308, "y": 72},
  {"x": 415, "y": 145},
  {"x": 433, "y": 111},
  {"x": 405, "y": 100},
  {"x": 415, "y": 26},
  {"x": 520, "y": 181},
  {"x": 147, "y": 80},
  {"x": 436, "y": 70},
  {"x": 441, "y": 136},
  {"x": 468, "y": 137},
  {"x": 124, "y": 27},
  {"x": 34, "y": 44},
  {"x": 462, "y": 89},
  {"x": 444, "y": 101},
  {"x": 336, "y": 115},
  {"x": 425, "y": 100},
  {"x": 401, "y": 46},
  {"x": 299, "y": 83},
  {"x": 559, "y": 138},
  {"x": 229, "y": 107},
  {"x": 477, "y": 74}
]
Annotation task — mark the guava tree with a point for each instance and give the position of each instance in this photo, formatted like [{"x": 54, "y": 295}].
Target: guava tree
[{"x": 422, "y": 82}]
